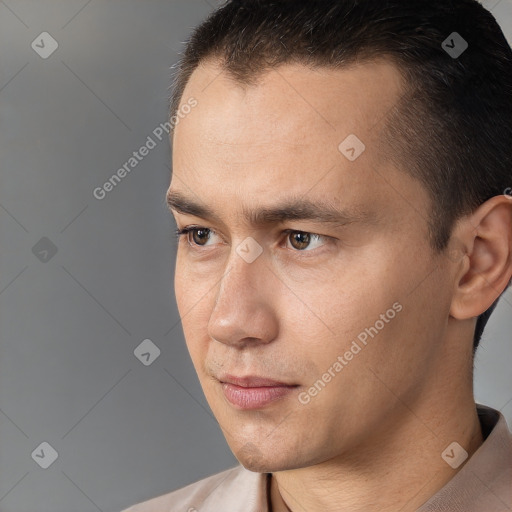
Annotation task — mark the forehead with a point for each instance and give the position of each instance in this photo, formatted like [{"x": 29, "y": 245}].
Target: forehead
[
  {"x": 284, "y": 132},
  {"x": 290, "y": 104}
]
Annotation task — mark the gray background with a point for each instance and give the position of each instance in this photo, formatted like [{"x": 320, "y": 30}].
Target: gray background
[{"x": 70, "y": 321}]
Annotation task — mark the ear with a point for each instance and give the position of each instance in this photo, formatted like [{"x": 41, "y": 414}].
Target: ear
[{"x": 486, "y": 268}]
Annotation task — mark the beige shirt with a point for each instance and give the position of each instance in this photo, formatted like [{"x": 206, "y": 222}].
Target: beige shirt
[{"x": 483, "y": 484}]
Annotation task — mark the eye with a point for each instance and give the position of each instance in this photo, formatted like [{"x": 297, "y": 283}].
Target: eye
[
  {"x": 299, "y": 240},
  {"x": 202, "y": 234}
]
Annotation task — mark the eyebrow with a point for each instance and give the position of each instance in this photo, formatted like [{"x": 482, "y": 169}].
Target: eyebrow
[{"x": 293, "y": 208}]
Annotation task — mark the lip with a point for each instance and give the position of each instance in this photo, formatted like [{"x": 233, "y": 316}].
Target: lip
[
  {"x": 252, "y": 381},
  {"x": 253, "y": 392}
]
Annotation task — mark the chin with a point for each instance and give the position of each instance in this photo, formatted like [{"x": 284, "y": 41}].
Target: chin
[{"x": 252, "y": 459}]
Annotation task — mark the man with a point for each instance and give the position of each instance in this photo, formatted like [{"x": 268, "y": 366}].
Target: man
[{"x": 345, "y": 233}]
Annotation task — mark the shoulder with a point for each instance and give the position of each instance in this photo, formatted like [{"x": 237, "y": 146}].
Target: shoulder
[{"x": 225, "y": 489}]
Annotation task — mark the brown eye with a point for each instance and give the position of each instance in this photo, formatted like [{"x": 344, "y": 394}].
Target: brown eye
[
  {"x": 302, "y": 241},
  {"x": 299, "y": 240},
  {"x": 202, "y": 235}
]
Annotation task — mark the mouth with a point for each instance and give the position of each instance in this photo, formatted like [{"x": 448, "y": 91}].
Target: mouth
[{"x": 254, "y": 392}]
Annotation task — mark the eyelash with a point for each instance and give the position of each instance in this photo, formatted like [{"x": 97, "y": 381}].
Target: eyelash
[{"x": 186, "y": 230}]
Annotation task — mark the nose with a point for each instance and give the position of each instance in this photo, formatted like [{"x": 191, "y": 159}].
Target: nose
[{"x": 244, "y": 311}]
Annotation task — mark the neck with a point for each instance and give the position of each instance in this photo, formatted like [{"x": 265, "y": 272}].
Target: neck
[{"x": 399, "y": 469}]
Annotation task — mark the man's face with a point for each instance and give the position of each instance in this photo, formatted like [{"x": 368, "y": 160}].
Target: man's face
[{"x": 302, "y": 294}]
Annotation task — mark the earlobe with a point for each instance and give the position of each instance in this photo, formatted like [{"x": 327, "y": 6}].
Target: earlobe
[{"x": 486, "y": 269}]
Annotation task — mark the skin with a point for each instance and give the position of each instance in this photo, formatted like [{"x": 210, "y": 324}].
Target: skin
[{"x": 372, "y": 439}]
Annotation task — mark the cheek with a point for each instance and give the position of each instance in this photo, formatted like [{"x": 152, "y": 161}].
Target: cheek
[
  {"x": 357, "y": 302},
  {"x": 191, "y": 290},
  {"x": 364, "y": 322},
  {"x": 193, "y": 303}
]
